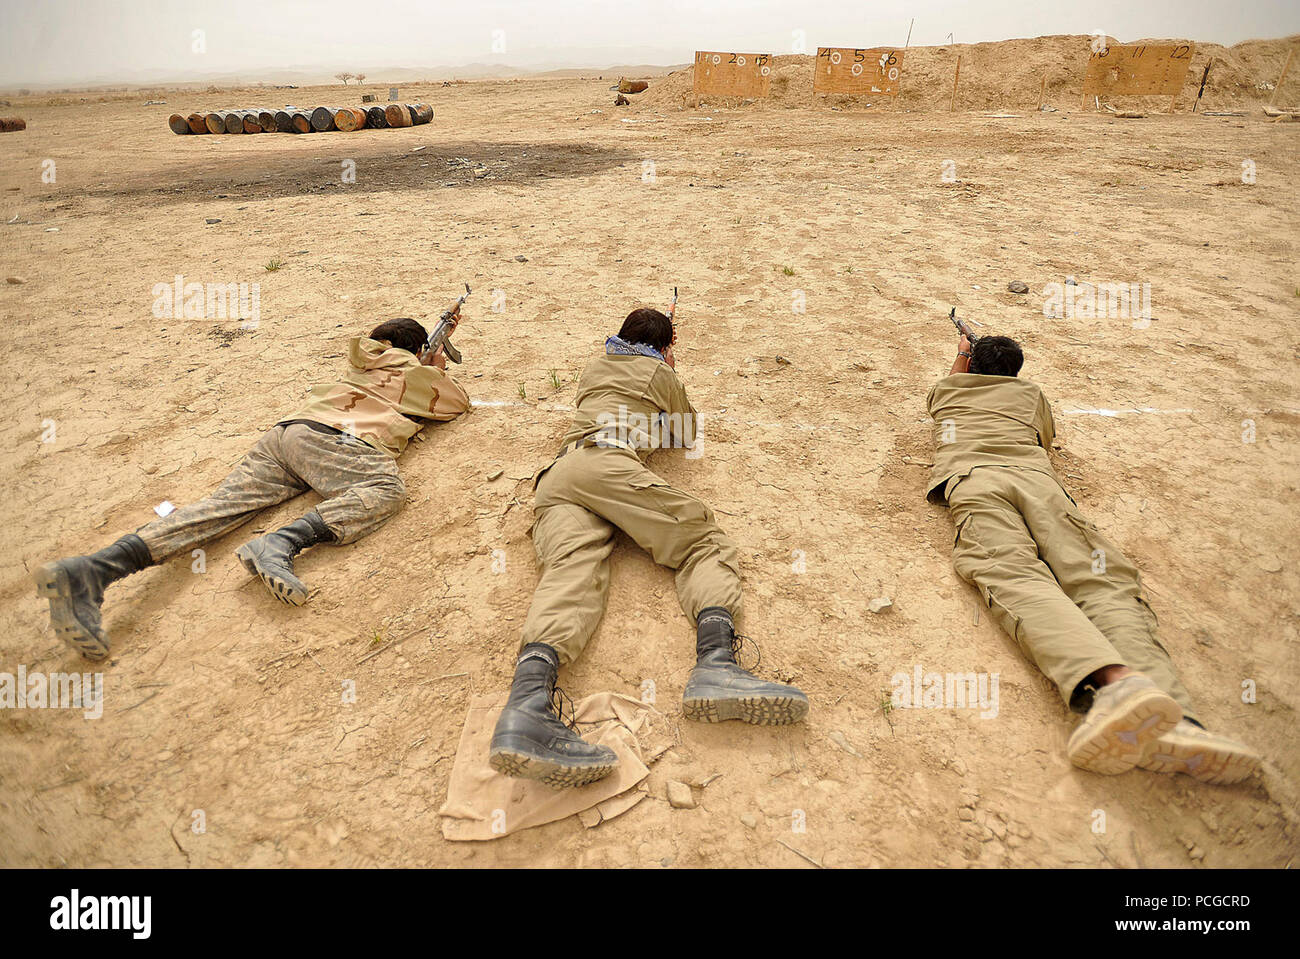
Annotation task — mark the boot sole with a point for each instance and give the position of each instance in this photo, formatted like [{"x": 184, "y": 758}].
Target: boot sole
[
  {"x": 52, "y": 583},
  {"x": 757, "y": 710},
  {"x": 281, "y": 589},
  {"x": 1116, "y": 743},
  {"x": 518, "y": 764},
  {"x": 1217, "y": 761}
]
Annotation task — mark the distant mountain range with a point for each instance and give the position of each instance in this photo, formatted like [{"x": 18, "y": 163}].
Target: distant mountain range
[{"x": 383, "y": 76}]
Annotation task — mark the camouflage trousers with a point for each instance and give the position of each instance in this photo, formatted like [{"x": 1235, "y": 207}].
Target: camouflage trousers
[{"x": 360, "y": 485}]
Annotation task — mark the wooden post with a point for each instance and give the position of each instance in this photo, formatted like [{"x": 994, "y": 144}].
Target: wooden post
[
  {"x": 956, "y": 73},
  {"x": 1042, "y": 92},
  {"x": 1201, "y": 92},
  {"x": 1285, "y": 67}
]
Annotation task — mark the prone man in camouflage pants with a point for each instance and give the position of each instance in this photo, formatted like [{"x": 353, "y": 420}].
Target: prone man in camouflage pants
[{"x": 343, "y": 444}]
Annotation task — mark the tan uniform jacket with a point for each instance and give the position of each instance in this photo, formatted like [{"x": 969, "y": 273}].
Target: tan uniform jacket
[
  {"x": 377, "y": 398},
  {"x": 637, "y": 399},
  {"x": 987, "y": 421}
]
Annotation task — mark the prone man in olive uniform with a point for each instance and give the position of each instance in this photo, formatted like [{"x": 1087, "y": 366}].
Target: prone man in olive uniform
[
  {"x": 1067, "y": 594},
  {"x": 629, "y": 403}
]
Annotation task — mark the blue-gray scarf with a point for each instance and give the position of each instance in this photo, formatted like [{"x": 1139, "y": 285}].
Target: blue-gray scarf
[{"x": 617, "y": 346}]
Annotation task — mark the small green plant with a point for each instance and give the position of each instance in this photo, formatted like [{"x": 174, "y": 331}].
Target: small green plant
[
  {"x": 274, "y": 264},
  {"x": 788, "y": 270},
  {"x": 887, "y": 707},
  {"x": 848, "y": 269},
  {"x": 555, "y": 379},
  {"x": 378, "y": 638},
  {"x": 523, "y": 393}
]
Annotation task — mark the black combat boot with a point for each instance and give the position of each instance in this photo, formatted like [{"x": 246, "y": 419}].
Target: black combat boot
[
  {"x": 531, "y": 742},
  {"x": 271, "y": 556},
  {"x": 75, "y": 589},
  {"x": 718, "y": 689}
]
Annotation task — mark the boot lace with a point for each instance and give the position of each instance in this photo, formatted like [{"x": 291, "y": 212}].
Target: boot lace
[
  {"x": 737, "y": 644},
  {"x": 558, "y": 698}
]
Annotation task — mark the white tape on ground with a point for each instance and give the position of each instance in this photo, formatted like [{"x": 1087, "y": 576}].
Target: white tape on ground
[{"x": 1140, "y": 409}]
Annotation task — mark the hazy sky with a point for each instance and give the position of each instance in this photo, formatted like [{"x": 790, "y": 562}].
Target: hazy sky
[{"x": 71, "y": 41}]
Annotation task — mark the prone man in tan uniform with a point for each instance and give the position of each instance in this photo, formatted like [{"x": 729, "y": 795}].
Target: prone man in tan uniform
[
  {"x": 343, "y": 444},
  {"x": 630, "y": 402},
  {"x": 1067, "y": 594}
]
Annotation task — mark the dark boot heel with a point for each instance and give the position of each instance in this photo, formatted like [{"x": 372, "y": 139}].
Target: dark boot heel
[
  {"x": 530, "y": 740},
  {"x": 271, "y": 557},
  {"x": 719, "y": 690},
  {"x": 55, "y": 584}
]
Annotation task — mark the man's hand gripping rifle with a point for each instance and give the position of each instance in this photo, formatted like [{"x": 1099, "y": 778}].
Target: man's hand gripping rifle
[
  {"x": 966, "y": 345},
  {"x": 440, "y": 338},
  {"x": 962, "y": 327}
]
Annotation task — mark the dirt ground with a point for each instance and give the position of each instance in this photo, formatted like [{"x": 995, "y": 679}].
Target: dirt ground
[{"x": 218, "y": 698}]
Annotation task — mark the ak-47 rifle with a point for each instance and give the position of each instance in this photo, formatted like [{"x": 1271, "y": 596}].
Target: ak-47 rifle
[
  {"x": 672, "y": 314},
  {"x": 962, "y": 327},
  {"x": 441, "y": 335}
]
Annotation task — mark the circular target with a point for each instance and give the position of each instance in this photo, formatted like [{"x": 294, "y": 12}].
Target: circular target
[
  {"x": 857, "y": 70},
  {"x": 893, "y": 73},
  {"x": 716, "y": 59},
  {"x": 740, "y": 61},
  {"x": 765, "y": 71},
  {"x": 835, "y": 57}
]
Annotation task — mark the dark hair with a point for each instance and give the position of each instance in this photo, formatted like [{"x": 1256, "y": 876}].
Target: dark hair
[
  {"x": 403, "y": 333},
  {"x": 649, "y": 327},
  {"x": 996, "y": 356}
]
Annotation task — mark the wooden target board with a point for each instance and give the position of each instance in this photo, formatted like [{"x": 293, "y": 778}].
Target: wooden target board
[
  {"x": 1144, "y": 70},
  {"x": 732, "y": 74},
  {"x": 856, "y": 72}
]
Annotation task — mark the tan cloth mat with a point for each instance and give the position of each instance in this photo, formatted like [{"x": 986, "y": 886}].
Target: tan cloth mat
[{"x": 483, "y": 804}]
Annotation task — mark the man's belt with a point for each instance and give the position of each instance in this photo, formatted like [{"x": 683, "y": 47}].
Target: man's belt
[
  {"x": 313, "y": 425},
  {"x": 596, "y": 439}
]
